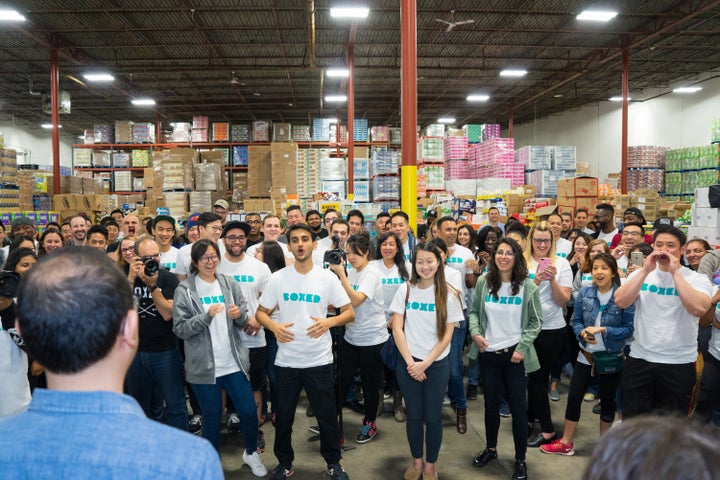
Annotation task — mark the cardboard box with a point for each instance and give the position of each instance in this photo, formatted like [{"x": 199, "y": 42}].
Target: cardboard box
[
  {"x": 578, "y": 187},
  {"x": 258, "y": 205},
  {"x": 570, "y": 204},
  {"x": 282, "y": 132},
  {"x": 259, "y": 171},
  {"x": 529, "y": 190}
]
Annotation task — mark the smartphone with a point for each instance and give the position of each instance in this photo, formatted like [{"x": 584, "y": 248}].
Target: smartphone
[
  {"x": 589, "y": 336},
  {"x": 544, "y": 262},
  {"x": 636, "y": 258}
]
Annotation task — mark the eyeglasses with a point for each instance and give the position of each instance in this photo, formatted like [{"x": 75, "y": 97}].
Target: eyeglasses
[
  {"x": 209, "y": 258},
  {"x": 216, "y": 229},
  {"x": 631, "y": 234},
  {"x": 540, "y": 241},
  {"x": 127, "y": 249},
  {"x": 253, "y": 222},
  {"x": 509, "y": 253},
  {"x": 235, "y": 238}
]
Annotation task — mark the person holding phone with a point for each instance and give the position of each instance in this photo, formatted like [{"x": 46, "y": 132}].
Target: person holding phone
[
  {"x": 553, "y": 276},
  {"x": 600, "y": 326},
  {"x": 632, "y": 234}
]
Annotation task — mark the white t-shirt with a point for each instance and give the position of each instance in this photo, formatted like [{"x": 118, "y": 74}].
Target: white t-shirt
[
  {"x": 714, "y": 347},
  {"x": 169, "y": 259},
  {"x": 211, "y": 294},
  {"x": 251, "y": 251},
  {"x": 184, "y": 261},
  {"x": 457, "y": 256},
  {"x": 563, "y": 247},
  {"x": 406, "y": 250},
  {"x": 622, "y": 263},
  {"x": 370, "y": 325},
  {"x": 420, "y": 329},
  {"x": 552, "y": 313},
  {"x": 453, "y": 278},
  {"x": 252, "y": 275},
  {"x": 665, "y": 332},
  {"x": 391, "y": 281},
  {"x": 300, "y": 297},
  {"x": 504, "y": 318},
  {"x": 607, "y": 236}
]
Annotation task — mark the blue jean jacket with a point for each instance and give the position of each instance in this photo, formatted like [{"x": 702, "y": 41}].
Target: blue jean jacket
[{"x": 619, "y": 322}]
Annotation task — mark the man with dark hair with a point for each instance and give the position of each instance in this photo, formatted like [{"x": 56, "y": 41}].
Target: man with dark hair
[
  {"x": 210, "y": 228},
  {"x": 113, "y": 229},
  {"x": 302, "y": 293},
  {"x": 494, "y": 218},
  {"x": 631, "y": 235},
  {"x": 314, "y": 219},
  {"x": 330, "y": 216},
  {"x": 339, "y": 228},
  {"x": 581, "y": 220},
  {"x": 356, "y": 221},
  {"x": 293, "y": 216},
  {"x": 255, "y": 236},
  {"x": 157, "y": 365},
  {"x": 118, "y": 215},
  {"x": 660, "y": 375},
  {"x": 430, "y": 217},
  {"x": 632, "y": 215},
  {"x": 86, "y": 344},
  {"x": 605, "y": 221},
  {"x": 164, "y": 231},
  {"x": 400, "y": 226},
  {"x": 567, "y": 224},
  {"x": 97, "y": 237},
  {"x": 382, "y": 223}
]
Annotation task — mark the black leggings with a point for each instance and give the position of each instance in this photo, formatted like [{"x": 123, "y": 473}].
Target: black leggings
[
  {"x": 609, "y": 383},
  {"x": 549, "y": 346},
  {"x": 368, "y": 360}
]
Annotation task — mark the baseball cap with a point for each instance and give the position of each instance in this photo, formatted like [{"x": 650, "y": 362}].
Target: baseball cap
[
  {"x": 431, "y": 213},
  {"x": 20, "y": 221},
  {"x": 236, "y": 224},
  {"x": 663, "y": 222},
  {"x": 166, "y": 218},
  {"x": 222, "y": 203},
  {"x": 192, "y": 221}
]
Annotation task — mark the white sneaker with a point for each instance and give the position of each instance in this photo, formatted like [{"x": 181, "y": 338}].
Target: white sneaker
[{"x": 253, "y": 461}]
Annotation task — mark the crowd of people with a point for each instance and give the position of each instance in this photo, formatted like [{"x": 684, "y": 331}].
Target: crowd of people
[{"x": 242, "y": 316}]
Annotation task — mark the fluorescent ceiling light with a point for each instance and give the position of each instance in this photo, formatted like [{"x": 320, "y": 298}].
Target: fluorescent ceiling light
[
  {"x": 687, "y": 89},
  {"x": 338, "y": 72},
  {"x": 513, "y": 72},
  {"x": 597, "y": 15},
  {"x": 335, "y": 98},
  {"x": 11, "y": 16},
  {"x": 446, "y": 120},
  {"x": 349, "y": 12},
  {"x": 618, "y": 98},
  {"x": 49, "y": 126},
  {"x": 332, "y": 120},
  {"x": 478, "y": 98},
  {"x": 98, "y": 77},
  {"x": 143, "y": 102}
]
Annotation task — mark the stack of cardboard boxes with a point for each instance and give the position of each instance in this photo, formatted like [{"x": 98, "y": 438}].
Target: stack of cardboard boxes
[{"x": 574, "y": 193}]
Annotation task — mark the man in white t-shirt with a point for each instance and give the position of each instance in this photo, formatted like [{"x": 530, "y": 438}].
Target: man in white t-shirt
[
  {"x": 400, "y": 226},
  {"x": 660, "y": 375},
  {"x": 605, "y": 221},
  {"x": 462, "y": 260},
  {"x": 632, "y": 234},
  {"x": 210, "y": 228},
  {"x": 562, "y": 246},
  {"x": 164, "y": 230},
  {"x": 302, "y": 293},
  {"x": 271, "y": 230},
  {"x": 339, "y": 228},
  {"x": 252, "y": 275}
]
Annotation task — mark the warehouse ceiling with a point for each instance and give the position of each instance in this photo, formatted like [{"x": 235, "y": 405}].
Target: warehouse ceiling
[{"x": 244, "y": 60}]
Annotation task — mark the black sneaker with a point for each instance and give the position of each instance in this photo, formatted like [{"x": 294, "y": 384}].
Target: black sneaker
[
  {"x": 484, "y": 458},
  {"x": 520, "y": 471},
  {"x": 282, "y": 472},
  {"x": 195, "y": 424},
  {"x": 335, "y": 472},
  {"x": 472, "y": 392}
]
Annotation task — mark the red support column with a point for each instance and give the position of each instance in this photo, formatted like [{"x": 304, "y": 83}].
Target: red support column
[
  {"x": 351, "y": 118},
  {"x": 511, "y": 122},
  {"x": 54, "y": 108},
  {"x": 408, "y": 60},
  {"x": 624, "y": 138}
]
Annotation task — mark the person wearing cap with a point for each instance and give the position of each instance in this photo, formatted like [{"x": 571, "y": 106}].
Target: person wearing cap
[
  {"x": 164, "y": 231},
  {"x": 221, "y": 208},
  {"x": 209, "y": 228},
  {"x": 430, "y": 217},
  {"x": 252, "y": 275},
  {"x": 23, "y": 227},
  {"x": 191, "y": 228},
  {"x": 157, "y": 364},
  {"x": 632, "y": 215}
]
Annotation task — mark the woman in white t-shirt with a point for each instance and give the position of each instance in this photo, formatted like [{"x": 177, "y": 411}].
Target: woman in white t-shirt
[
  {"x": 422, "y": 310},
  {"x": 394, "y": 273},
  {"x": 553, "y": 277},
  {"x": 601, "y": 327},
  {"x": 504, "y": 322},
  {"x": 365, "y": 336},
  {"x": 209, "y": 311}
]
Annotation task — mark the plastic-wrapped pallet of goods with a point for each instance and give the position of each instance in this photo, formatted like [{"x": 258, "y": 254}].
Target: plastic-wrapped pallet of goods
[
  {"x": 301, "y": 133},
  {"x": 240, "y": 133},
  {"x": 103, "y": 134},
  {"x": 455, "y": 147},
  {"x": 182, "y": 132}
]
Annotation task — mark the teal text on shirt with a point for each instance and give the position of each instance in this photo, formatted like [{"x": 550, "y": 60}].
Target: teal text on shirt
[
  {"x": 393, "y": 281},
  {"x": 170, "y": 265},
  {"x": 301, "y": 297},
  {"x": 212, "y": 299},
  {"x": 244, "y": 278},
  {"x": 668, "y": 291},
  {"x": 420, "y": 306},
  {"x": 503, "y": 300},
  {"x": 454, "y": 260},
  {"x": 561, "y": 255}
]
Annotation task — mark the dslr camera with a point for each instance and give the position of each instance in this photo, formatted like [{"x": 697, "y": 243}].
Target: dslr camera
[
  {"x": 336, "y": 255},
  {"x": 9, "y": 283},
  {"x": 151, "y": 265}
]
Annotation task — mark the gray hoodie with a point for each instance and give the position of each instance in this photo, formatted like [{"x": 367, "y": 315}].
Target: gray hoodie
[{"x": 190, "y": 323}]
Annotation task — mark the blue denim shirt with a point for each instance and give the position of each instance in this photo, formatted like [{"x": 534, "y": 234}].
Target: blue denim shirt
[
  {"x": 98, "y": 435},
  {"x": 619, "y": 322}
]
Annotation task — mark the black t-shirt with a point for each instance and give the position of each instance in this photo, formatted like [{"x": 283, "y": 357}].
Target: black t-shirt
[
  {"x": 249, "y": 243},
  {"x": 156, "y": 334},
  {"x": 323, "y": 233}
]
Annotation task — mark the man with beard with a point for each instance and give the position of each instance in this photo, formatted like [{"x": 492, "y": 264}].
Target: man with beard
[
  {"x": 605, "y": 220},
  {"x": 255, "y": 236},
  {"x": 313, "y": 218},
  {"x": 79, "y": 231},
  {"x": 252, "y": 275}
]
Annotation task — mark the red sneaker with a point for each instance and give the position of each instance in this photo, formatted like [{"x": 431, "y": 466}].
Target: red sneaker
[{"x": 559, "y": 448}]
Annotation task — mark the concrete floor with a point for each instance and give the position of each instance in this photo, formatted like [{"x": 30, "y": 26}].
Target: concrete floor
[{"x": 388, "y": 455}]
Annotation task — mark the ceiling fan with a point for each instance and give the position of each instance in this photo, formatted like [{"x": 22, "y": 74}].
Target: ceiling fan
[
  {"x": 236, "y": 81},
  {"x": 452, "y": 23}
]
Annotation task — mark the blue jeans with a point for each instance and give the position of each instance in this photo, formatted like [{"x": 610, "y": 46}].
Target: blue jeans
[
  {"x": 473, "y": 371},
  {"x": 210, "y": 398},
  {"x": 456, "y": 389},
  {"x": 423, "y": 406},
  {"x": 161, "y": 371}
]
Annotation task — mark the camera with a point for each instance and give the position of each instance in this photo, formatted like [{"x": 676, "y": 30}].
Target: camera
[
  {"x": 9, "y": 282},
  {"x": 151, "y": 265},
  {"x": 336, "y": 255}
]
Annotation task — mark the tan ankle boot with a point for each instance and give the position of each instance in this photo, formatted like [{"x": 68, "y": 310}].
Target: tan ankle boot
[{"x": 398, "y": 409}]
